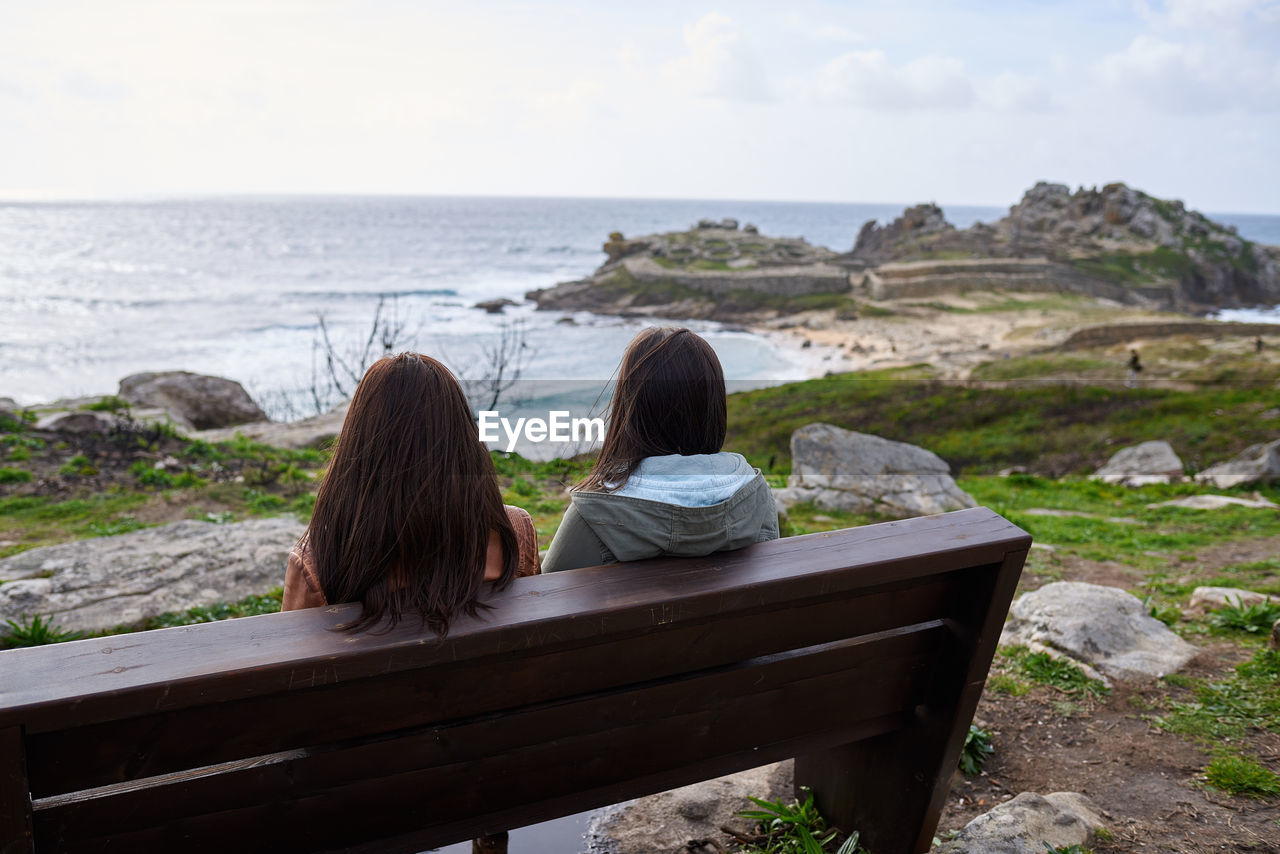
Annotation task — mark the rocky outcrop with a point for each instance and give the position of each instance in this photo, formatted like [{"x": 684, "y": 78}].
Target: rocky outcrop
[
  {"x": 80, "y": 421},
  {"x": 314, "y": 432},
  {"x": 1141, "y": 465},
  {"x": 196, "y": 401},
  {"x": 668, "y": 820},
  {"x": 1103, "y": 628},
  {"x": 1151, "y": 248},
  {"x": 1255, "y": 464},
  {"x": 878, "y": 244},
  {"x": 841, "y": 469},
  {"x": 1217, "y": 502},
  {"x": 710, "y": 271},
  {"x": 96, "y": 584},
  {"x": 1029, "y": 824}
]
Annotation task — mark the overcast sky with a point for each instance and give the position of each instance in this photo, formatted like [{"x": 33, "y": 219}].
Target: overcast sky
[{"x": 898, "y": 101}]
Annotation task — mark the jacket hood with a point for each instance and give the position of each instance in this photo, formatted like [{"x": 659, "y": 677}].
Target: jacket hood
[{"x": 686, "y": 506}]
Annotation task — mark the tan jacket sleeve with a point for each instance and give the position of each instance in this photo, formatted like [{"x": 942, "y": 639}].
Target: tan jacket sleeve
[
  {"x": 526, "y": 541},
  {"x": 301, "y": 585}
]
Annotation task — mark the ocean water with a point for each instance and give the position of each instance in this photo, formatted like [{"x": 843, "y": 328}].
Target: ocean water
[{"x": 93, "y": 291}]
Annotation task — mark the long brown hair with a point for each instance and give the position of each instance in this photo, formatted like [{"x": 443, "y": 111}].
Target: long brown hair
[
  {"x": 669, "y": 399},
  {"x": 403, "y": 516}
]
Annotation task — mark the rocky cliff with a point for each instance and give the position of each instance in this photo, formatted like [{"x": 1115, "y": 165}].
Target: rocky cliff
[{"x": 1116, "y": 235}]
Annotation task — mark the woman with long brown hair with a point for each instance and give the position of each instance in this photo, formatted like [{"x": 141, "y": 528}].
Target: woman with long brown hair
[
  {"x": 662, "y": 485},
  {"x": 408, "y": 519}
]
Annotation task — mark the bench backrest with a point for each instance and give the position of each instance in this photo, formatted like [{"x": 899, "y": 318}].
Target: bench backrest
[{"x": 861, "y": 652}]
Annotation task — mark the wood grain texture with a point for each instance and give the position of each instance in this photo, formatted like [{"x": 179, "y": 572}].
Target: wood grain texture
[
  {"x": 15, "y": 798},
  {"x": 860, "y": 651}
]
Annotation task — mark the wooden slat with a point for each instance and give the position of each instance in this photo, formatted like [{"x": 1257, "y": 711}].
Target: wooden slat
[
  {"x": 116, "y": 751},
  {"x": 570, "y": 753},
  {"x": 103, "y": 679},
  {"x": 15, "y": 797}
]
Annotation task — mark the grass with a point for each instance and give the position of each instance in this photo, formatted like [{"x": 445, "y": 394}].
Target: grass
[
  {"x": 1240, "y": 775},
  {"x": 37, "y": 520},
  {"x": 34, "y": 631},
  {"x": 14, "y": 475},
  {"x": 1211, "y": 711},
  {"x": 1253, "y": 619},
  {"x": 1042, "y": 668},
  {"x": 1052, "y": 428},
  {"x": 110, "y": 403},
  {"x": 977, "y": 749},
  {"x": 795, "y": 828},
  {"x": 1031, "y": 368}
]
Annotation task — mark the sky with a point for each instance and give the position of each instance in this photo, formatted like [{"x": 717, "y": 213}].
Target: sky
[{"x": 898, "y": 101}]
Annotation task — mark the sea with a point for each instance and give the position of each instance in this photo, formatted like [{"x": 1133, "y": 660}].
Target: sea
[{"x": 93, "y": 291}]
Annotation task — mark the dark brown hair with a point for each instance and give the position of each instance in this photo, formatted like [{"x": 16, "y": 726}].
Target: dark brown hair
[
  {"x": 669, "y": 399},
  {"x": 403, "y": 516}
]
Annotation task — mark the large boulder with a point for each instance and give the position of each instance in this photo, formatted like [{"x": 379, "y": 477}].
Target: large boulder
[
  {"x": 1104, "y": 628},
  {"x": 196, "y": 400},
  {"x": 1139, "y": 465},
  {"x": 96, "y": 584},
  {"x": 79, "y": 421},
  {"x": 1256, "y": 464},
  {"x": 841, "y": 469},
  {"x": 1029, "y": 824},
  {"x": 668, "y": 820}
]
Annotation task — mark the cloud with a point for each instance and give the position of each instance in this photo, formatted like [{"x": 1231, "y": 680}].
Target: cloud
[
  {"x": 867, "y": 79},
  {"x": 718, "y": 63},
  {"x": 92, "y": 88},
  {"x": 1191, "y": 77},
  {"x": 837, "y": 33},
  {"x": 1017, "y": 93}
]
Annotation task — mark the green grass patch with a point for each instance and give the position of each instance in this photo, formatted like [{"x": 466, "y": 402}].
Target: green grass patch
[
  {"x": 110, "y": 403},
  {"x": 1041, "y": 368},
  {"x": 34, "y": 631},
  {"x": 1054, "y": 429},
  {"x": 977, "y": 750},
  {"x": 1056, "y": 673},
  {"x": 9, "y": 474},
  {"x": 266, "y": 603},
  {"x": 1228, "y": 708},
  {"x": 795, "y": 828},
  {"x": 1240, "y": 775},
  {"x": 39, "y": 520}
]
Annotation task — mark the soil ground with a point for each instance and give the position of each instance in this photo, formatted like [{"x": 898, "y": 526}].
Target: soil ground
[{"x": 1146, "y": 780}]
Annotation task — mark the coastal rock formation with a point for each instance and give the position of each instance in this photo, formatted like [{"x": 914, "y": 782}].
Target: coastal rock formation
[
  {"x": 713, "y": 270},
  {"x": 1105, "y": 629},
  {"x": 844, "y": 470},
  {"x": 95, "y": 584},
  {"x": 80, "y": 421},
  {"x": 195, "y": 401},
  {"x": 1116, "y": 242},
  {"x": 1142, "y": 464},
  {"x": 668, "y": 820},
  {"x": 1255, "y": 464},
  {"x": 1029, "y": 824}
]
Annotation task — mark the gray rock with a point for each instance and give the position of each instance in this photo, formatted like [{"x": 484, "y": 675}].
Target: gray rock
[
  {"x": 495, "y": 306},
  {"x": 666, "y": 821},
  {"x": 202, "y": 401},
  {"x": 1217, "y": 502},
  {"x": 1027, "y": 823},
  {"x": 1206, "y": 599},
  {"x": 840, "y": 469},
  {"x": 1139, "y": 465},
  {"x": 1256, "y": 464},
  {"x": 82, "y": 421},
  {"x": 95, "y": 584},
  {"x": 1104, "y": 628},
  {"x": 313, "y": 432}
]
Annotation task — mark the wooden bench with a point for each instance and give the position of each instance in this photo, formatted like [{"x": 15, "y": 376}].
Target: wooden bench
[{"x": 861, "y": 652}]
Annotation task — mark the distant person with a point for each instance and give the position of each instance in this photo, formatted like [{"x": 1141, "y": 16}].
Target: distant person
[
  {"x": 662, "y": 485},
  {"x": 1257, "y": 344},
  {"x": 408, "y": 520},
  {"x": 1135, "y": 368}
]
